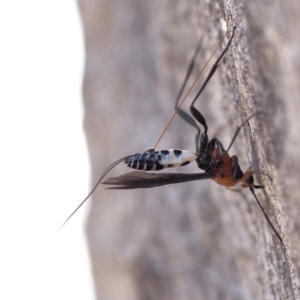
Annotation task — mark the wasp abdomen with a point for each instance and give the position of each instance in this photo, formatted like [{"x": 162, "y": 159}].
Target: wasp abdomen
[{"x": 152, "y": 160}]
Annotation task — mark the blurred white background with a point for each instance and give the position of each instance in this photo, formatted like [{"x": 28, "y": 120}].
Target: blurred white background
[{"x": 44, "y": 162}]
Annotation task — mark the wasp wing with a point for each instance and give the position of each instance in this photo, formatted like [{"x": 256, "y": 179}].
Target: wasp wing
[{"x": 138, "y": 179}]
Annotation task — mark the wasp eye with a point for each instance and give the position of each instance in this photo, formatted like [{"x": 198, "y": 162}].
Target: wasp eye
[{"x": 250, "y": 180}]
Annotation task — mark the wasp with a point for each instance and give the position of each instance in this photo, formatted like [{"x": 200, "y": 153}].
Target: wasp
[{"x": 210, "y": 155}]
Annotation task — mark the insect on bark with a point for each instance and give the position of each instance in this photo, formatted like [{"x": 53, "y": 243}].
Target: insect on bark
[{"x": 210, "y": 155}]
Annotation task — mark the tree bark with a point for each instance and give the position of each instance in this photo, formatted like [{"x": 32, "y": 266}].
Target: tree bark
[{"x": 193, "y": 240}]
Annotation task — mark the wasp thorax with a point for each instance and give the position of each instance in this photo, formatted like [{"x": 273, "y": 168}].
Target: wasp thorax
[{"x": 204, "y": 160}]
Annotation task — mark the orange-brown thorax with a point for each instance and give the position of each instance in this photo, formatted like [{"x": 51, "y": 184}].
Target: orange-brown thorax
[{"x": 224, "y": 171}]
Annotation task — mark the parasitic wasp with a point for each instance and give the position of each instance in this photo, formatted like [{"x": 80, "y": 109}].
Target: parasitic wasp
[{"x": 210, "y": 155}]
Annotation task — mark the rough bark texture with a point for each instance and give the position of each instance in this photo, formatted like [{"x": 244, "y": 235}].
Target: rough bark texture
[{"x": 193, "y": 240}]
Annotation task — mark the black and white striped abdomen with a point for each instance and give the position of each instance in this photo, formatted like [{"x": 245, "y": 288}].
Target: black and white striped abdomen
[{"x": 152, "y": 160}]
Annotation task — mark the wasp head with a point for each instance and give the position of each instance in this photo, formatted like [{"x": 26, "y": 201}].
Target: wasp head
[{"x": 247, "y": 180}]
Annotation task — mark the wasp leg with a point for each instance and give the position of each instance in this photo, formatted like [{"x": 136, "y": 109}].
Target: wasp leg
[
  {"x": 237, "y": 173},
  {"x": 212, "y": 144},
  {"x": 258, "y": 187},
  {"x": 240, "y": 127},
  {"x": 196, "y": 113},
  {"x": 185, "y": 116}
]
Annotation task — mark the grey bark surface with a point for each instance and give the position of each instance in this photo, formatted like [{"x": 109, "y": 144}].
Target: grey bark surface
[{"x": 193, "y": 240}]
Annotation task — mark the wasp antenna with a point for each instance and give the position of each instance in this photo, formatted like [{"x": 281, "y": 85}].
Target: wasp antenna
[
  {"x": 188, "y": 92},
  {"x": 92, "y": 191},
  {"x": 270, "y": 223}
]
